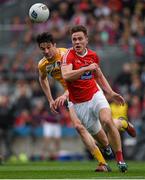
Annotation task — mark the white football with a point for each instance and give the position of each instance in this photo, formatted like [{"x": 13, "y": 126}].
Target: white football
[{"x": 39, "y": 13}]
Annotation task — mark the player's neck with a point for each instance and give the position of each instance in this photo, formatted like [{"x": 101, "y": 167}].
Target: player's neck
[{"x": 83, "y": 53}]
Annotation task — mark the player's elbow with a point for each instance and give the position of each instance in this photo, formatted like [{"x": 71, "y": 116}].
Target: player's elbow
[
  {"x": 66, "y": 77},
  {"x": 42, "y": 80}
]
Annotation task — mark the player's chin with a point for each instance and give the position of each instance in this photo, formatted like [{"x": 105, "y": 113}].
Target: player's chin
[
  {"x": 77, "y": 47},
  {"x": 78, "y": 50},
  {"x": 48, "y": 56}
]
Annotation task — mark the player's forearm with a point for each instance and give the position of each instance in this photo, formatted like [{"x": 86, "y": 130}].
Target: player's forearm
[
  {"x": 73, "y": 74},
  {"x": 103, "y": 83},
  {"x": 46, "y": 88}
]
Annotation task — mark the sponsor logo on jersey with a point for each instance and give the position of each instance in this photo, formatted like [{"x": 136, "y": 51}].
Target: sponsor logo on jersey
[
  {"x": 87, "y": 75},
  {"x": 53, "y": 69},
  {"x": 49, "y": 67}
]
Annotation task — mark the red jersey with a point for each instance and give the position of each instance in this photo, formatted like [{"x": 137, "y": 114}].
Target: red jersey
[{"x": 82, "y": 89}]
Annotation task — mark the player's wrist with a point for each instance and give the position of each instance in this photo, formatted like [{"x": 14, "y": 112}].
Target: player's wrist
[
  {"x": 84, "y": 69},
  {"x": 66, "y": 94},
  {"x": 50, "y": 101},
  {"x": 112, "y": 93}
]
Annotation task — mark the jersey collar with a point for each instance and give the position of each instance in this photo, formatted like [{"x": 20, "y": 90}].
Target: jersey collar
[{"x": 86, "y": 52}]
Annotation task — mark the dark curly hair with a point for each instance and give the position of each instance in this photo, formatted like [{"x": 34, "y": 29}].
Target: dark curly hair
[{"x": 44, "y": 37}]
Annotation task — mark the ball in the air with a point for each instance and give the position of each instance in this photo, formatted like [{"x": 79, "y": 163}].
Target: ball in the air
[{"x": 39, "y": 12}]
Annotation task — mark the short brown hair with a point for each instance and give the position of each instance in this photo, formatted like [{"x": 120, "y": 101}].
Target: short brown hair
[{"x": 79, "y": 28}]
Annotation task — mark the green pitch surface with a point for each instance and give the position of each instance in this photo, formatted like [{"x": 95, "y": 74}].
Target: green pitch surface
[{"x": 68, "y": 170}]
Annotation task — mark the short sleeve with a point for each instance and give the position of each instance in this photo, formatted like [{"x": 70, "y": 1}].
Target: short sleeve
[{"x": 42, "y": 69}]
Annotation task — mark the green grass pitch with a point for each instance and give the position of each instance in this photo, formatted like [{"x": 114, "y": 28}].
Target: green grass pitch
[{"x": 68, "y": 170}]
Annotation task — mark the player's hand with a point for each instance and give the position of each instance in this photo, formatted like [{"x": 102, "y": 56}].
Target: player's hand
[
  {"x": 60, "y": 101},
  {"x": 53, "y": 107},
  {"x": 92, "y": 67},
  {"x": 117, "y": 98}
]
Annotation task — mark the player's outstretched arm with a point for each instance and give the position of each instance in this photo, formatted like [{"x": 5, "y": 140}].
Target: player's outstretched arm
[
  {"x": 46, "y": 89},
  {"x": 61, "y": 99},
  {"x": 102, "y": 81}
]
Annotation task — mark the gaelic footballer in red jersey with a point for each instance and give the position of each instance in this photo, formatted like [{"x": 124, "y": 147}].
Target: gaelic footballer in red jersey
[{"x": 90, "y": 103}]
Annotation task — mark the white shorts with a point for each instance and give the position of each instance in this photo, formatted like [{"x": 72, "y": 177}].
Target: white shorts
[
  {"x": 88, "y": 112},
  {"x": 51, "y": 130}
]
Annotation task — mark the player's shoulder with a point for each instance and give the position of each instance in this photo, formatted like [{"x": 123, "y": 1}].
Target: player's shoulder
[
  {"x": 91, "y": 52},
  {"x": 42, "y": 62},
  {"x": 70, "y": 52},
  {"x": 62, "y": 50}
]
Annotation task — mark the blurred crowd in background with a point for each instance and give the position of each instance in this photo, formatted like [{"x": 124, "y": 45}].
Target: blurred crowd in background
[{"x": 110, "y": 23}]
